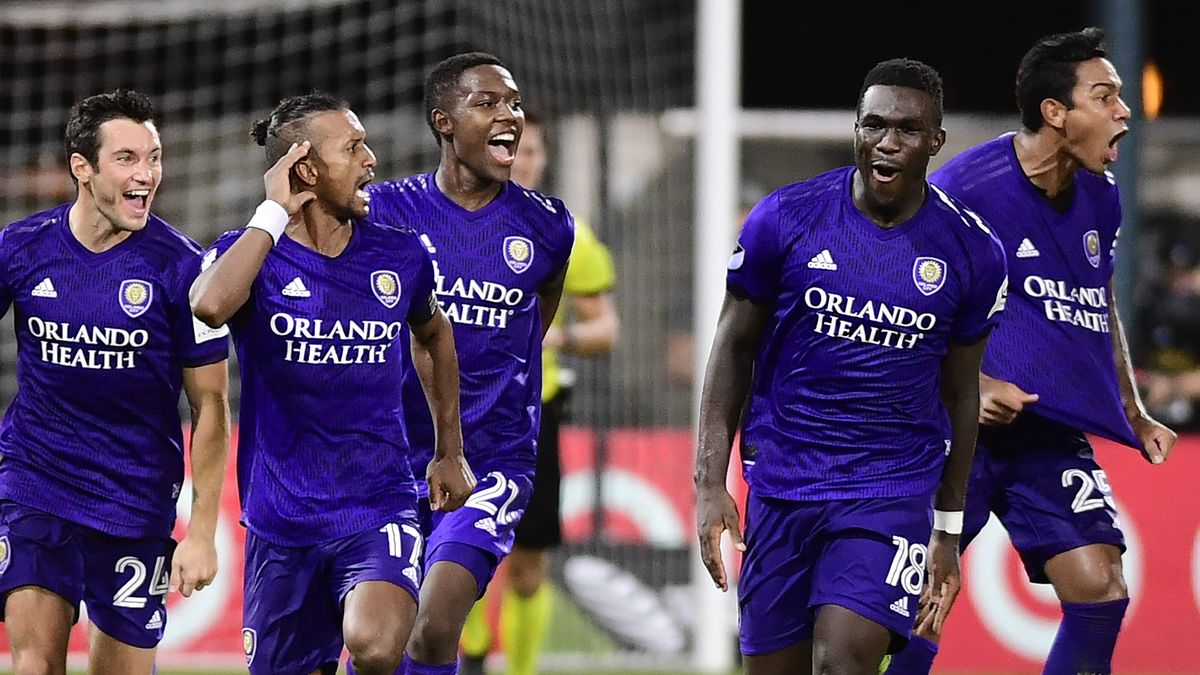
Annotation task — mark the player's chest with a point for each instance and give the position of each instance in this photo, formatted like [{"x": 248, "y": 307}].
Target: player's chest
[
  {"x": 129, "y": 301},
  {"x": 501, "y": 266},
  {"x": 888, "y": 282},
  {"x": 375, "y": 290},
  {"x": 1052, "y": 261}
]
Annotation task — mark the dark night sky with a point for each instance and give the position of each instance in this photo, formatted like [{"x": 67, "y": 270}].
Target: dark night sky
[{"x": 798, "y": 54}]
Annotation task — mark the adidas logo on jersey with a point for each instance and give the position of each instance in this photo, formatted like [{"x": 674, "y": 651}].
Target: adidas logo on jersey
[
  {"x": 156, "y": 621},
  {"x": 487, "y": 525},
  {"x": 900, "y": 606},
  {"x": 1027, "y": 249},
  {"x": 296, "y": 289},
  {"x": 45, "y": 289},
  {"x": 822, "y": 261}
]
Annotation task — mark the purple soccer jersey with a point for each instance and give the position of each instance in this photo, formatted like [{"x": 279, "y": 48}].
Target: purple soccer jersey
[
  {"x": 845, "y": 401},
  {"x": 1054, "y": 340},
  {"x": 489, "y": 265},
  {"x": 93, "y": 435},
  {"x": 322, "y": 451}
]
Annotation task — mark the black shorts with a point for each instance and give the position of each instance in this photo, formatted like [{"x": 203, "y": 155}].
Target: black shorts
[{"x": 541, "y": 525}]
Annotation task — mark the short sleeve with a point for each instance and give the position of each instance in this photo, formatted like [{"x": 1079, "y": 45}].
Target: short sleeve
[
  {"x": 6, "y": 292},
  {"x": 195, "y": 343},
  {"x": 424, "y": 302},
  {"x": 986, "y": 292},
  {"x": 564, "y": 241},
  {"x": 757, "y": 261},
  {"x": 590, "y": 271}
]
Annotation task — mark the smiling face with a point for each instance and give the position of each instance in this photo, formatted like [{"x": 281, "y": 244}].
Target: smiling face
[
  {"x": 127, "y": 173},
  {"x": 342, "y": 162},
  {"x": 894, "y": 137},
  {"x": 484, "y": 122},
  {"x": 1098, "y": 117}
]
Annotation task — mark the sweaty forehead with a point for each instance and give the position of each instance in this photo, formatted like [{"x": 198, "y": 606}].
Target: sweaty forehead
[
  {"x": 335, "y": 124},
  {"x": 1098, "y": 71},
  {"x": 893, "y": 102},
  {"x": 487, "y": 78}
]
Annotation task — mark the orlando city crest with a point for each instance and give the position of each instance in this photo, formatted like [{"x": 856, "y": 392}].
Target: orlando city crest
[
  {"x": 5, "y": 554},
  {"x": 929, "y": 274},
  {"x": 518, "y": 253},
  {"x": 1091, "y": 247},
  {"x": 249, "y": 644},
  {"x": 135, "y": 296},
  {"x": 386, "y": 286}
]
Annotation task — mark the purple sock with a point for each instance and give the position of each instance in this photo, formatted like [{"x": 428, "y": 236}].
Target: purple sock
[
  {"x": 411, "y": 667},
  {"x": 1086, "y": 638},
  {"x": 915, "y": 659}
]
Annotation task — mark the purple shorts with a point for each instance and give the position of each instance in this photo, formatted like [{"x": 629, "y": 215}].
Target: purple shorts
[
  {"x": 123, "y": 581},
  {"x": 1042, "y": 481},
  {"x": 480, "y": 534},
  {"x": 292, "y": 604},
  {"x": 867, "y": 555}
]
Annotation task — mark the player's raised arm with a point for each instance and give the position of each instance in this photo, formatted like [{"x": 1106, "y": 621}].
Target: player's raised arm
[
  {"x": 726, "y": 386},
  {"x": 195, "y": 562},
  {"x": 221, "y": 289},
  {"x": 450, "y": 478}
]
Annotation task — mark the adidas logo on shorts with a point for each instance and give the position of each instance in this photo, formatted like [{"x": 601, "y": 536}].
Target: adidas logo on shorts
[
  {"x": 900, "y": 607},
  {"x": 156, "y": 621},
  {"x": 487, "y": 525}
]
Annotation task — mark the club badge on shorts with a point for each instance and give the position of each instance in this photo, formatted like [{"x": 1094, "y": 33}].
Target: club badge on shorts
[{"x": 249, "y": 644}]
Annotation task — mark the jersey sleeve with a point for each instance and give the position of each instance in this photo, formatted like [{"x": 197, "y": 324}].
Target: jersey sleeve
[
  {"x": 6, "y": 286},
  {"x": 564, "y": 241},
  {"x": 757, "y": 261},
  {"x": 590, "y": 271},
  {"x": 424, "y": 302},
  {"x": 987, "y": 289},
  {"x": 196, "y": 343}
]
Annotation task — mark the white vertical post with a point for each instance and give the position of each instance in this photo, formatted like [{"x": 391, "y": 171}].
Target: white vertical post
[{"x": 717, "y": 177}]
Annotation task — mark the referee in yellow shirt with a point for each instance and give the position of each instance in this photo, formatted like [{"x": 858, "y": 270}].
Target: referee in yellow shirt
[{"x": 586, "y": 325}]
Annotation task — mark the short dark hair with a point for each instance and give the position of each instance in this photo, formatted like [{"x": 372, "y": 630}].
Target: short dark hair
[
  {"x": 905, "y": 73},
  {"x": 279, "y": 130},
  {"x": 443, "y": 79},
  {"x": 1048, "y": 71},
  {"x": 82, "y": 134}
]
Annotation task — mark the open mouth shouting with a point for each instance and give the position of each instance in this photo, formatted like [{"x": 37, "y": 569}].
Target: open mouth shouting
[
  {"x": 1113, "y": 152},
  {"x": 884, "y": 172},
  {"x": 137, "y": 201},
  {"x": 361, "y": 193},
  {"x": 503, "y": 148}
]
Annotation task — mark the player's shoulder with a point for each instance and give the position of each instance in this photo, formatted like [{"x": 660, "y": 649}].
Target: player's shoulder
[
  {"x": 978, "y": 169},
  {"x": 21, "y": 232},
  {"x": 538, "y": 206},
  {"x": 409, "y": 187},
  {"x": 826, "y": 188},
  {"x": 387, "y": 234},
  {"x": 168, "y": 241},
  {"x": 1101, "y": 188}
]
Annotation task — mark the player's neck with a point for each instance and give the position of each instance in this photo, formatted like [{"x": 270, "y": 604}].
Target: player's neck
[
  {"x": 90, "y": 228},
  {"x": 883, "y": 215},
  {"x": 317, "y": 229},
  {"x": 463, "y": 187},
  {"x": 1044, "y": 161}
]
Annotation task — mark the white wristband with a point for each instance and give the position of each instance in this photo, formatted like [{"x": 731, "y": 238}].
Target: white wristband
[
  {"x": 950, "y": 522},
  {"x": 271, "y": 218}
]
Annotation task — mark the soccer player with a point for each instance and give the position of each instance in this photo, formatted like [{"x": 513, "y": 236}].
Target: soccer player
[
  {"x": 1057, "y": 367},
  {"x": 592, "y": 330},
  {"x": 92, "y": 443},
  {"x": 858, "y": 306},
  {"x": 318, "y": 295},
  {"x": 499, "y": 251}
]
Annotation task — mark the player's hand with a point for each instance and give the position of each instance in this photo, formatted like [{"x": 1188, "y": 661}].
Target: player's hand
[
  {"x": 451, "y": 482},
  {"x": 1000, "y": 402},
  {"x": 278, "y": 183},
  {"x": 194, "y": 565},
  {"x": 715, "y": 513},
  {"x": 1156, "y": 438},
  {"x": 942, "y": 584}
]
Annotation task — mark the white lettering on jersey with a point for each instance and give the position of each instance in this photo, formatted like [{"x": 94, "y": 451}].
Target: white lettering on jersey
[
  {"x": 1075, "y": 305},
  {"x": 845, "y": 317},
  {"x": 58, "y": 344}
]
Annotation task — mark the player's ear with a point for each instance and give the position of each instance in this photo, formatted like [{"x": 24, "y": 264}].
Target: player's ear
[
  {"x": 1054, "y": 113},
  {"x": 442, "y": 122},
  {"x": 938, "y": 140},
  {"x": 81, "y": 169},
  {"x": 305, "y": 171}
]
